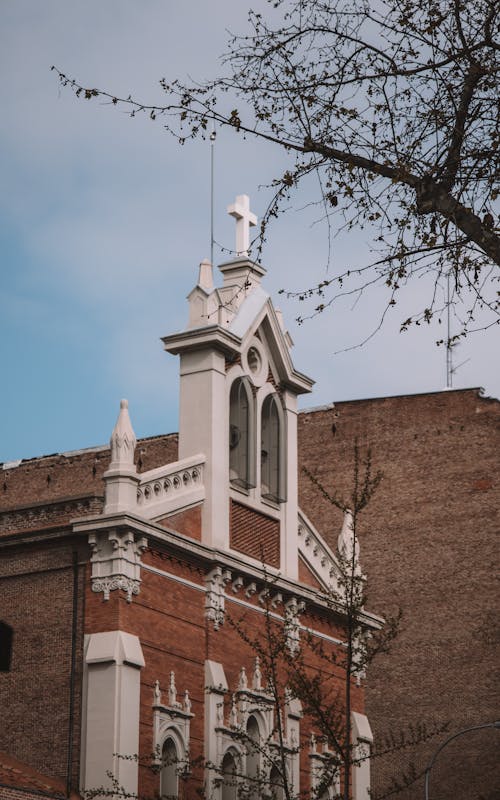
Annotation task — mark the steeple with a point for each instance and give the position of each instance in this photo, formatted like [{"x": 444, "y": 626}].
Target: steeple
[
  {"x": 238, "y": 406},
  {"x": 121, "y": 478}
]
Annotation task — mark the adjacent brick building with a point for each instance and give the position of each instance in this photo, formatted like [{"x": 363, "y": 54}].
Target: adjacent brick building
[{"x": 429, "y": 540}]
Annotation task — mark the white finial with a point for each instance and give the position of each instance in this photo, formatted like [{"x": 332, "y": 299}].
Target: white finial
[
  {"x": 172, "y": 691},
  {"x": 348, "y": 544},
  {"x": 205, "y": 276},
  {"x": 233, "y": 716},
  {"x": 157, "y": 694},
  {"x": 123, "y": 440},
  {"x": 244, "y": 219},
  {"x": 187, "y": 702},
  {"x": 257, "y": 676},
  {"x": 313, "y": 743},
  {"x": 243, "y": 682}
]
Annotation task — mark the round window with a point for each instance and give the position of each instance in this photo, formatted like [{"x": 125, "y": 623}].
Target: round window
[{"x": 254, "y": 360}]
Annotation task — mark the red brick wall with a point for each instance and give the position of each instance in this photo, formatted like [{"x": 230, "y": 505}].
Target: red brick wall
[
  {"x": 254, "y": 534},
  {"x": 36, "y": 600},
  {"x": 169, "y": 618},
  {"x": 428, "y": 544},
  {"x": 50, "y": 478},
  {"x": 186, "y": 522}
]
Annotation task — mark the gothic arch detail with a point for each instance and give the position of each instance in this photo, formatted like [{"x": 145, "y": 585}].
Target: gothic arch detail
[
  {"x": 242, "y": 434},
  {"x": 171, "y": 736},
  {"x": 272, "y": 454}
]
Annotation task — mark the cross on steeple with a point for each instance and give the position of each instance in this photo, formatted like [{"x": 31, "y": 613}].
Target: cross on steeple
[{"x": 244, "y": 219}]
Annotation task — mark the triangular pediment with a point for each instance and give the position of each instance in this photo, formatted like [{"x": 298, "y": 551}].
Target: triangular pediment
[{"x": 257, "y": 317}]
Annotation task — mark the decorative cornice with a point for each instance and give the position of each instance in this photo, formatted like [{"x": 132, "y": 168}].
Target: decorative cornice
[
  {"x": 116, "y": 561},
  {"x": 107, "y": 585},
  {"x": 175, "y": 543}
]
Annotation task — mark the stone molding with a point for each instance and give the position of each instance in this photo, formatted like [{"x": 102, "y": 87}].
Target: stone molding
[
  {"x": 323, "y": 765},
  {"x": 215, "y": 582},
  {"x": 227, "y": 732},
  {"x": 317, "y": 554},
  {"x": 110, "y": 712},
  {"x": 116, "y": 561},
  {"x": 173, "y": 718},
  {"x": 171, "y": 488}
]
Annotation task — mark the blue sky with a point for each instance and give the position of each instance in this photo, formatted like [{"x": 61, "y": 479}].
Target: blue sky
[{"x": 104, "y": 220}]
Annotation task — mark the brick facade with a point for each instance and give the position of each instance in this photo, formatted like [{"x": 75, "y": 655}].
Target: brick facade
[
  {"x": 254, "y": 534},
  {"x": 429, "y": 544},
  {"x": 426, "y": 545},
  {"x": 41, "y": 598}
]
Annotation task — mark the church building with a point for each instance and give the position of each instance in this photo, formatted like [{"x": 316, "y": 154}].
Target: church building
[{"x": 138, "y": 622}]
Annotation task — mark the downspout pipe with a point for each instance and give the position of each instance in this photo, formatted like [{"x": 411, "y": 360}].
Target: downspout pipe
[{"x": 74, "y": 625}]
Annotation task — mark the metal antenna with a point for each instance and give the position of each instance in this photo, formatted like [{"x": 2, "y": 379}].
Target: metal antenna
[
  {"x": 449, "y": 351},
  {"x": 212, "y": 148}
]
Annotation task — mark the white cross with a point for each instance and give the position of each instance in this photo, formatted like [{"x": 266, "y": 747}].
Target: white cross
[{"x": 244, "y": 219}]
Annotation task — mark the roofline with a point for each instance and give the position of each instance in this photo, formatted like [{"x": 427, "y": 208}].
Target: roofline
[
  {"x": 330, "y": 406},
  {"x": 99, "y": 448}
]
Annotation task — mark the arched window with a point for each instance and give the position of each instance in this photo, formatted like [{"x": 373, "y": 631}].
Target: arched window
[
  {"x": 241, "y": 417},
  {"x": 276, "y": 784},
  {"x": 271, "y": 456},
  {"x": 6, "y": 636},
  {"x": 229, "y": 777},
  {"x": 169, "y": 781},
  {"x": 253, "y": 758}
]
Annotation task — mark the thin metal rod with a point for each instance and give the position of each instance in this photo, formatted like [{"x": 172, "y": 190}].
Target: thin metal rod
[
  {"x": 449, "y": 368},
  {"x": 212, "y": 149}
]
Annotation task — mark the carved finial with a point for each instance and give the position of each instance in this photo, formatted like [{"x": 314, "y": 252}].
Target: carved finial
[
  {"x": 220, "y": 714},
  {"x": 348, "y": 544},
  {"x": 157, "y": 694},
  {"x": 313, "y": 743},
  {"x": 172, "y": 691},
  {"x": 187, "y": 702},
  {"x": 243, "y": 681},
  {"x": 233, "y": 716},
  {"x": 205, "y": 276},
  {"x": 123, "y": 440},
  {"x": 257, "y": 676}
]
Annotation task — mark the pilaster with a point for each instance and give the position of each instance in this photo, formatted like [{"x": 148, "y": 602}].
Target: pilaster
[{"x": 110, "y": 714}]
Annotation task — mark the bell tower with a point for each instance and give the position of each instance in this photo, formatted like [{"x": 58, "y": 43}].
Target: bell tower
[{"x": 238, "y": 406}]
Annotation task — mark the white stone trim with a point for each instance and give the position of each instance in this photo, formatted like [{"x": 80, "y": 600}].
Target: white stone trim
[
  {"x": 362, "y": 739},
  {"x": 171, "y": 488},
  {"x": 178, "y": 543},
  {"x": 259, "y": 377},
  {"x": 323, "y": 764},
  {"x": 173, "y": 720},
  {"x": 227, "y": 732},
  {"x": 317, "y": 554},
  {"x": 110, "y": 710},
  {"x": 116, "y": 561}
]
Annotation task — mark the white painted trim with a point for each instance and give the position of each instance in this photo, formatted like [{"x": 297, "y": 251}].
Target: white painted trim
[
  {"x": 110, "y": 710},
  {"x": 231, "y": 560},
  {"x": 244, "y": 603},
  {"x": 362, "y": 738}
]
